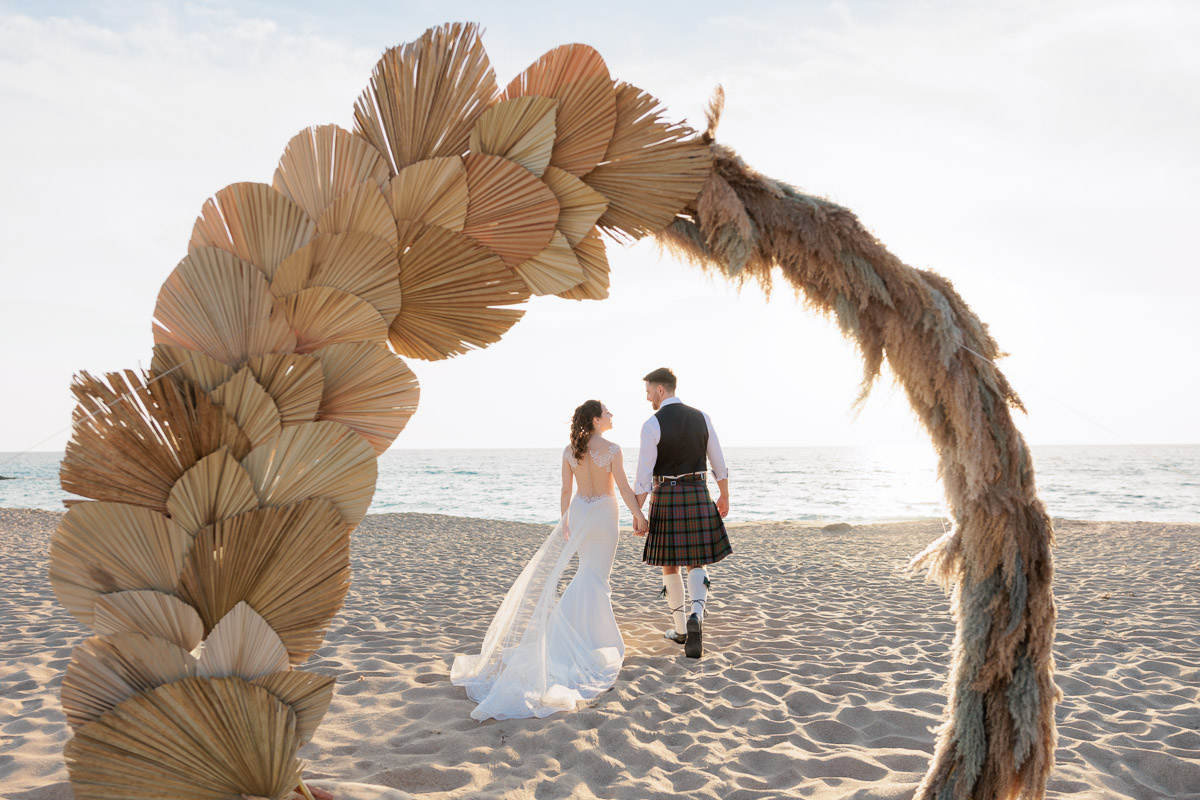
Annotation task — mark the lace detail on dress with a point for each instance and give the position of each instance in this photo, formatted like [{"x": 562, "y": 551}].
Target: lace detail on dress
[{"x": 604, "y": 459}]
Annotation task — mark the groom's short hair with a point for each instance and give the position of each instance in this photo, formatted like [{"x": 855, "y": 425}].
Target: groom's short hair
[{"x": 663, "y": 377}]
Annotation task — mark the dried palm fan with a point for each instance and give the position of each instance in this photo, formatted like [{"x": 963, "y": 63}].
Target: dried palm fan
[
  {"x": 133, "y": 440},
  {"x": 357, "y": 263},
  {"x": 294, "y": 382},
  {"x": 156, "y": 614},
  {"x": 510, "y": 211},
  {"x": 110, "y": 547},
  {"x": 307, "y": 693},
  {"x": 322, "y": 316},
  {"x": 433, "y": 191},
  {"x": 315, "y": 459},
  {"x": 424, "y": 97},
  {"x": 591, "y": 256},
  {"x": 222, "y": 306},
  {"x": 521, "y": 129},
  {"x": 579, "y": 206},
  {"x": 998, "y": 739},
  {"x": 255, "y": 223},
  {"x": 577, "y": 77},
  {"x": 248, "y": 403},
  {"x": 367, "y": 389},
  {"x": 204, "y": 371},
  {"x": 455, "y": 291},
  {"x": 322, "y": 163},
  {"x": 105, "y": 671},
  {"x": 215, "y": 488},
  {"x": 553, "y": 270},
  {"x": 651, "y": 168},
  {"x": 242, "y": 644},
  {"x": 290, "y": 565},
  {"x": 363, "y": 209},
  {"x": 204, "y": 738}
]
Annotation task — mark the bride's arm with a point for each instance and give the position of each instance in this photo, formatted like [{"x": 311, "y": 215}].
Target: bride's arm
[
  {"x": 635, "y": 508},
  {"x": 564, "y": 501}
]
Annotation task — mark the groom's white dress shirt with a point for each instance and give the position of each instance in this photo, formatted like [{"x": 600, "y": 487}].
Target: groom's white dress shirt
[{"x": 648, "y": 451}]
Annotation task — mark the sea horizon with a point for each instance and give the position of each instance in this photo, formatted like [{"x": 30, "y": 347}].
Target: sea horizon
[{"x": 808, "y": 483}]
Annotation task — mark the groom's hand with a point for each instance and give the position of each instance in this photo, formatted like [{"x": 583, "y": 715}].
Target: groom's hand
[{"x": 723, "y": 506}]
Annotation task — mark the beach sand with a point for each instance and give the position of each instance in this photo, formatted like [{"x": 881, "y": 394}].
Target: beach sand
[{"x": 823, "y": 675}]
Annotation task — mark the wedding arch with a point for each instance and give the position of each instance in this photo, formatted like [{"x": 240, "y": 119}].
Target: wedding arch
[{"x": 224, "y": 482}]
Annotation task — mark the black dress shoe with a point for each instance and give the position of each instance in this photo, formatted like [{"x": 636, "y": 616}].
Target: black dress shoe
[
  {"x": 677, "y": 638},
  {"x": 693, "y": 647}
]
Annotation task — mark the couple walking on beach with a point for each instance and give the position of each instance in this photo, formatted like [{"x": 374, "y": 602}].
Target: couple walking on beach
[{"x": 542, "y": 653}]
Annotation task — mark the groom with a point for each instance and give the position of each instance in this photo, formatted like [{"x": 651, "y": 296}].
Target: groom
[{"x": 686, "y": 527}]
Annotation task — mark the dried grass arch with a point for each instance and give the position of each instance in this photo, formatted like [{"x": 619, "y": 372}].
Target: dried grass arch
[{"x": 225, "y": 482}]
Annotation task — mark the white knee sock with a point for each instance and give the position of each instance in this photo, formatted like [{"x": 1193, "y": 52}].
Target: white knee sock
[
  {"x": 674, "y": 584},
  {"x": 698, "y": 589}
]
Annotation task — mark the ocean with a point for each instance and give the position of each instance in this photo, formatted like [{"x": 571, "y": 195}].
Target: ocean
[{"x": 1152, "y": 483}]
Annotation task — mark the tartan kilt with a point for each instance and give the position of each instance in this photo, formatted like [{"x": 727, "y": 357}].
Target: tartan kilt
[{"x": 685, "y": 527}]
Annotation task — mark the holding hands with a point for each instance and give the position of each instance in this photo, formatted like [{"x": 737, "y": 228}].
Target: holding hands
[{"x": 640, "y": 526}]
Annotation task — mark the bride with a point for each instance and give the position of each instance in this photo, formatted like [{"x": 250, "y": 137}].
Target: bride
[{"x": 543, "y": 653}]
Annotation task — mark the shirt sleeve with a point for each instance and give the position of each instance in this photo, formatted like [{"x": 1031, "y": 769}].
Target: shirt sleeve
[
  {"x": 647, "y": 455},
  {"x": 716, "y": 458}
]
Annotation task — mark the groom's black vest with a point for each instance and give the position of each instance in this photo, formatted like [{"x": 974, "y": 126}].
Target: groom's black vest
[{"x": 683, "y": 443}]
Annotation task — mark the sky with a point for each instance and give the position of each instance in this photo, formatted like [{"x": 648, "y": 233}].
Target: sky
[{"x": 1041, "y": 155}]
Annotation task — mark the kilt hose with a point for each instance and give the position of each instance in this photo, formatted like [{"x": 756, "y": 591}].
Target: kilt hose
[{"x": 685, "y": 527}]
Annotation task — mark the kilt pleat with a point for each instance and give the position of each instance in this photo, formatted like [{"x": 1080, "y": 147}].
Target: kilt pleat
[{"x": 685, "y": 527}]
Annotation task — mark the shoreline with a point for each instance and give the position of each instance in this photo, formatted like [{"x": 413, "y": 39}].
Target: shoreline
[{"x": 824, "y": 675}]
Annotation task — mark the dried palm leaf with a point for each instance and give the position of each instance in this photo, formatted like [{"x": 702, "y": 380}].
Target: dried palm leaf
[
  {"x": 322, "y": 163},
  {"x": 294, "y": 382},
  {"x": 433, "y": 191},
  {"x": 579, "y": 205},
  {"x": 651, "y": 170},
  {"x": 105, "y": 671},
  {"x": 369, "y": 390},
  {"x": 152, "y": 613},
  {"x": 553, "y": 270},
  {"x": 110, "y": 547},
  {"x": 510, "y": 212},
  {"x": 322, "y": 316},
  {"x": 363, "y": 209},
  {"x": 425, "y": 96},
  {"x": 452, "y": 286},
  {"x": 245, "y": 398},
  {"x": 205, "y": 371},
  {"x": 592, "y": 258},
  {"x": 132, "y": 441},
  {"x": 291, "y": 565},
  {"x": 357, "y": 263},
  {"x": 242, "y": 644},
  {"x": 222, "y": 306},
  {"x": 521, "y": 130},
  {"x": 199, "y": 738},
  {"x": 215, "y": 488},
  {"x": 564, "y": 64},
  {"x": 307, "y": 693},
  {"x": 315, "y": 459},
  {"x": 255, "y": 223},
  {"x": 577, "y": 77}
]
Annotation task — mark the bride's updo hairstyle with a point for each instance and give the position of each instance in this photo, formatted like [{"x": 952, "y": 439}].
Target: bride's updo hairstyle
[{"x": 581, "y": 426}]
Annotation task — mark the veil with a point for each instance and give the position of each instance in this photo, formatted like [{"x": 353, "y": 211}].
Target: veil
[{"x": 514, "y": 648}]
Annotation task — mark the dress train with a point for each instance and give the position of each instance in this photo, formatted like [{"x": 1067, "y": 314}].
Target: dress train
[{"x": 544, "y": 653}]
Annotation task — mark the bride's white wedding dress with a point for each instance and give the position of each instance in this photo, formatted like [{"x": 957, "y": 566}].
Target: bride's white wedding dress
[{"x": 543, "y": 653}]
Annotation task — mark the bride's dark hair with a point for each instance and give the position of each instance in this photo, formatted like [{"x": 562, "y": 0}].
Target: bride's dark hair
[{"x": 582, "y": 425}]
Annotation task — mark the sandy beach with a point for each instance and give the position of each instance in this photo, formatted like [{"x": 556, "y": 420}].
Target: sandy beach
[{"x": 823, "y": 676}]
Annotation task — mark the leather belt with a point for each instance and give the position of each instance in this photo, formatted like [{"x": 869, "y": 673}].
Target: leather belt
[{"x": 671, "y": 480}]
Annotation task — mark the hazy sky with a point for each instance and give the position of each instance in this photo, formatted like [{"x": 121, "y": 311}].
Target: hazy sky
[{"x": 1041, "y": 155}]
